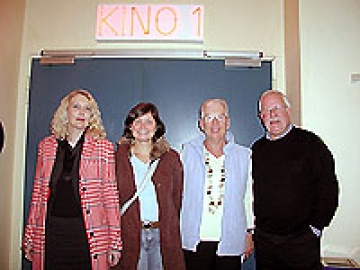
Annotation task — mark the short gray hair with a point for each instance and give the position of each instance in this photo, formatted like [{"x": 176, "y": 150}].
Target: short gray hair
[
  {"x": 211, "y": 100},
  {"x": 276, "y": 92}
]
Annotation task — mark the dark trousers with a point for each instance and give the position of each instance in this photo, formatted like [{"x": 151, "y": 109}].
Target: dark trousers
[
  {"x": 205, "y": 258},
  {"x": 300, "y": 251}
]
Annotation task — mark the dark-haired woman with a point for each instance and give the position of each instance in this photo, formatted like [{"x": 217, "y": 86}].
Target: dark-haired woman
[{"x": 150, "y": 205}]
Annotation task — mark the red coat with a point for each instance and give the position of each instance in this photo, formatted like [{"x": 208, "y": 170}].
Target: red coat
[
  {"x": 168, "y": 182},
  {"x": 99, "y": 200}
]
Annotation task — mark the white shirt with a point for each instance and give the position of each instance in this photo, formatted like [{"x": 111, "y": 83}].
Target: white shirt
[
  {"x": 210, "y": 228},
  {"x": 149, "y": 209}
]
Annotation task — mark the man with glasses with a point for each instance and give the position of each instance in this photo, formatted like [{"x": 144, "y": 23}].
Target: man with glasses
[
  {"x": 216, "y": 178},
  {"x": 295, "y": 190}
]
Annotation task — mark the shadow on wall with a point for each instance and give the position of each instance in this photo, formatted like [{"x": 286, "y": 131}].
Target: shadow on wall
[{"x": 1, "y": 137}]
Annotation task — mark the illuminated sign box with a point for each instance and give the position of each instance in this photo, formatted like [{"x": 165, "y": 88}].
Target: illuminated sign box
[{"x": 150, "y": 22}]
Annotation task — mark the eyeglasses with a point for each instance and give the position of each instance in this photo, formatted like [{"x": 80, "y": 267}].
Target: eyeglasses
[
  {"x": 275, "y": 109},
  {"x": 210, "y": 117}
]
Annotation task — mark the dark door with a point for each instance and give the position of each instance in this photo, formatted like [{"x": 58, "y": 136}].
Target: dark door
[{"x": 176, "y": 86}]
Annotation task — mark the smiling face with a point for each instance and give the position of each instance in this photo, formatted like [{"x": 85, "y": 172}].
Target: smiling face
[
  {"x": 143, "y": 128},
  {"x": 214, "y": 120},
  {"x": 274, "y": 113},
  {"x": 79, "y": 113}
]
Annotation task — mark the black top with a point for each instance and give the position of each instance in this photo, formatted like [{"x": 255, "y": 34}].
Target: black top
[
  {"x": 294, "y": 183},
  {"x": 64, "y": 199}
]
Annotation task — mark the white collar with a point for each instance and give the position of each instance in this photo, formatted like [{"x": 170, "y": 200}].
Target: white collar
[{"x": 282, "y": 135}]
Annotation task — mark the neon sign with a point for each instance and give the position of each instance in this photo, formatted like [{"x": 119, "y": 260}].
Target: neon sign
[{"x": 150, "y": 22}]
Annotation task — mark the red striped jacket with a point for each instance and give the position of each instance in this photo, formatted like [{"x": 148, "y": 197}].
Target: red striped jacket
[{"x": 99, "y": 201}]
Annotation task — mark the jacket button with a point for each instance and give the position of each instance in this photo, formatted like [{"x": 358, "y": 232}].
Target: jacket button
[
  {"x": 95, "y": 256},
  {"x": 91, "y": 234},
  {"x": 88, "y": 211},
  {"x": 84, "y": 189}
]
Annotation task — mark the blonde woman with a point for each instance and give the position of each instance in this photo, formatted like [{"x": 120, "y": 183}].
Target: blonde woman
[{"x": 73, "y": 221}]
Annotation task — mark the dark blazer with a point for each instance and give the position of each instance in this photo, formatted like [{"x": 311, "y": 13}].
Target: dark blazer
[{"x": 168, "y": 182}]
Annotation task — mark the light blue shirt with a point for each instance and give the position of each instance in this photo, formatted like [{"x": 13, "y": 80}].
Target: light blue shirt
[
  {"x": 233, "y": 224},
  {"x": 149, "y": 209}
]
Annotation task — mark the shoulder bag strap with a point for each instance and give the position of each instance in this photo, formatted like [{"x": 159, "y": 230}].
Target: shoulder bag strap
[{"x": 150, "y": 171}]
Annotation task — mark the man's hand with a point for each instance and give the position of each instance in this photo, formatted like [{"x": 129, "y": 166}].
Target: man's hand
[{"x": 249, "y": 245}]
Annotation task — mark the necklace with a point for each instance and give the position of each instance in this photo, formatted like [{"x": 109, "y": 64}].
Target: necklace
[{"x": 215, "y": 189}]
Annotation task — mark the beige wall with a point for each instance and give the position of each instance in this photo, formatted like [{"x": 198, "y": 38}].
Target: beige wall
[
  {"x": 229, "y": 25},
  {"x": 11, "y": 23},
  {"x": 71, "y": 25},
  {"x": 330, "y": 42}
]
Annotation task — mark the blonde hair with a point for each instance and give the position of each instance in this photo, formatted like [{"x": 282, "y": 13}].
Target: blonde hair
[{"x": 59, "y": 123}]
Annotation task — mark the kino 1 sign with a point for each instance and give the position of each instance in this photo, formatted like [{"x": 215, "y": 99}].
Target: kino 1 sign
[{"x": 150, "y": 22}]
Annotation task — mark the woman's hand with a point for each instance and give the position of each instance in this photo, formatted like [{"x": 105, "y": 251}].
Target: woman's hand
[
  {"x": 114, "y": 257},
  {"x": 28, "y": 253}
]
